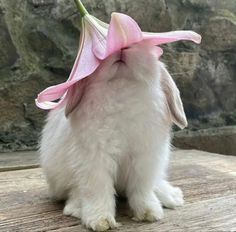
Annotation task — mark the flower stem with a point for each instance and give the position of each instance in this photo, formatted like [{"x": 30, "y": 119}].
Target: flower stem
[{"x": 81, "y": 7}]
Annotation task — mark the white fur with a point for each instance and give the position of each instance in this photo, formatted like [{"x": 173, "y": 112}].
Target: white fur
[{"x": 116, "y": 140}]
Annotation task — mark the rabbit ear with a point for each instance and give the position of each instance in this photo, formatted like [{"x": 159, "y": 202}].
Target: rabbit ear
[
  {"x": 174, "y": 103},
  {"x": 74, "y": 96}
]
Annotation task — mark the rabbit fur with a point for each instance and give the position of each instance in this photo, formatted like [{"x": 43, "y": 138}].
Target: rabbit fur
[{"x": 113, "y": 137}]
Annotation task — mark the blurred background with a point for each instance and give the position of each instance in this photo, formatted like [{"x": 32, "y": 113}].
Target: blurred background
[{"x": 39, "y": 42}]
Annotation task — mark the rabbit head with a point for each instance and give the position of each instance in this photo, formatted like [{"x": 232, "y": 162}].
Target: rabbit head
[{"x": 140, "y": 63}]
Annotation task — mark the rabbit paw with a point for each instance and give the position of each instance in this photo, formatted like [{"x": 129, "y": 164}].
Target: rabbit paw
[
  {"x": 103, "y": 224},
  {"x": 149, "y": 215},
  {"x": 148, "y": 209},
  {"x": 72, "y": 210},
  {"x": 170, "y": 197}
]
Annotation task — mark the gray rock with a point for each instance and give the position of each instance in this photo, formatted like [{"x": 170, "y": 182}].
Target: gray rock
[{"x": 39, "y": 42}]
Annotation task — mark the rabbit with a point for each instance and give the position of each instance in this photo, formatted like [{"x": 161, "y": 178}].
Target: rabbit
[{"x": 113, "y": 137}]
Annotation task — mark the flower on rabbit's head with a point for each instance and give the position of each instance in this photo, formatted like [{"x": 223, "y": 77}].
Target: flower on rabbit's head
[{"x": 99, "y": 40}]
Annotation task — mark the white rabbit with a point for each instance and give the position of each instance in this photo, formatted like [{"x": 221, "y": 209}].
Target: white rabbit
[{"x": 115, "y": 139}]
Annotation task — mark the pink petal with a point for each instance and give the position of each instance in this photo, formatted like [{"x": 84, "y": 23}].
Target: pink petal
[
  {"x": 45, "y": 105},
  {"x": 54, "y": 92},
  {"x": 123, "y": 31},
  {"x": 85, "y": 64},
  {"x": 98, "y": 31},
  {"x": 172, "y": 36}
]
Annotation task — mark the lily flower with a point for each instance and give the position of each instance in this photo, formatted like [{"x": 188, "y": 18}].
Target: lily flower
[{"x": 99, "y": 40}]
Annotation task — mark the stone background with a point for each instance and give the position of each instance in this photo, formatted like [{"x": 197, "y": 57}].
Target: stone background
[{"x": 39, "y": 41}]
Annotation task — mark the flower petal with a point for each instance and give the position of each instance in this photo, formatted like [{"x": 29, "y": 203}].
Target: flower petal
[
  {"x": 85, "y": 64},
  {"x": 45, "y": 105},
  {"x": 98, "y": 31},
  {"x": 54, "y": 92},
  {"x": 123, "y": 31},
  {"x": 172, "y": 36}
]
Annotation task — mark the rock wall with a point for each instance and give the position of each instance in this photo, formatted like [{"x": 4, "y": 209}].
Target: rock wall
[{"x": 39, "y": 41}]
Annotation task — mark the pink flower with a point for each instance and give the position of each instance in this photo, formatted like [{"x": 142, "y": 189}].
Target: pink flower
[{"x": 98, "y": 41}]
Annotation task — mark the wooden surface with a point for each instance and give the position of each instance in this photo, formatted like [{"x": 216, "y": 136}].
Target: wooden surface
[
  {"x": 207, "y": 180},
  {"x": 18, "y": 160}
]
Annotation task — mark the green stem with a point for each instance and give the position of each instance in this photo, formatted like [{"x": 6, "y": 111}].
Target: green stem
[{"x": 81, "y": 8}]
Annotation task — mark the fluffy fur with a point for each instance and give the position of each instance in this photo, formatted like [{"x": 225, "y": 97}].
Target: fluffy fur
[{"x": 115, "y": 140}]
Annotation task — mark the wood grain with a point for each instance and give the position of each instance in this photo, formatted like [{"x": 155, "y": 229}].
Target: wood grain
[
  {"x": 207, "y": 180},
  {"x": 18, "y": 160}
]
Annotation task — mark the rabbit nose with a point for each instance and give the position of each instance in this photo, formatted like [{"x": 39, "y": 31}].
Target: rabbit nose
[
  {"x": 116, "y": 57},
  {"x": 123, "y": 54},
  {"x": 120, "y": 58}
]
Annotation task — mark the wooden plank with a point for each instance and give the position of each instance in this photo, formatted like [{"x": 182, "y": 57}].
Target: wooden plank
[
  {"x": 30, "y": 159},
  {"x": 208, "y": 181},
  {"x": 213, "y": 215},
  {"x": 18, "y": 160}
]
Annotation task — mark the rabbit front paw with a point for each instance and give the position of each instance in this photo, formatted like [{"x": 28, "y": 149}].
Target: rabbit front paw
[
  {"x": 72, "y": 210},
  {"x": 170, "y": 197},
  {"x": 102, "y": 224},
  {"x": 146, "y": 208}
]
